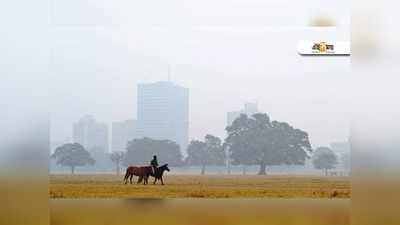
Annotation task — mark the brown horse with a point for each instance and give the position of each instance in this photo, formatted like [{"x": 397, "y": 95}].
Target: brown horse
[{"x": 143, "y": 172}]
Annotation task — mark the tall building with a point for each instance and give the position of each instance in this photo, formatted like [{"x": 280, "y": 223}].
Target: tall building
[
  {"x": 163, "y": 112},
  {"x": 91, "y": 134},
  {"x": 122, "y": 132},
  {"x": 249, "y": 109}
]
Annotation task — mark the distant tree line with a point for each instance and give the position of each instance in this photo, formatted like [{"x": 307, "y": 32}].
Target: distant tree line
[
  {"x": 141, "y": 151},
  {"x": 251, "y": 140}
]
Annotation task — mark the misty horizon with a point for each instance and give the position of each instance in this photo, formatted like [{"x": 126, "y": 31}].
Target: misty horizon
[{"x": 88, "y": 59}]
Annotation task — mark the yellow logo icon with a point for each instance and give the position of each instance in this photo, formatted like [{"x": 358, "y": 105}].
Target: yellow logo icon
[{"x": 322, "y": 47}]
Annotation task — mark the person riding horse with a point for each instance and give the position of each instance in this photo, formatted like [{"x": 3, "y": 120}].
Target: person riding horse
[
  {"x": 158, "y": 175},
  {"x": 154, "y": 163},
  {"x": 144, "y": 172}
]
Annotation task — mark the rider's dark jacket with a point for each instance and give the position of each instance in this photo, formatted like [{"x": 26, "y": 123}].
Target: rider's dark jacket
[{"x": 154, "y": 163}]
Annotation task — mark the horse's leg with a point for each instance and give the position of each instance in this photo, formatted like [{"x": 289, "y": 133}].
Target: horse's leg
[
  {"x": 130, "y": 179},
  {"x": 162, "y": 182},
  {"x": 126, "y": 177},
  {"x": 155, "y": 179},
  {"x": 139, "y": 180}
]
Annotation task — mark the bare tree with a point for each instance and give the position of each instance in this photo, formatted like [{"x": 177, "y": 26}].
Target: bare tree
[{"x": 117, "y": 158}]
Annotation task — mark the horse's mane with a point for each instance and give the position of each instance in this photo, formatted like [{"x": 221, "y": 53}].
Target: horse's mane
[{"x": 163, "y": 166}]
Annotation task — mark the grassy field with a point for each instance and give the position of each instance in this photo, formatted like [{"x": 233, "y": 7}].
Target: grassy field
[
  {"x": 200, "y": 211},
  {"x": 196, "y": 186}
]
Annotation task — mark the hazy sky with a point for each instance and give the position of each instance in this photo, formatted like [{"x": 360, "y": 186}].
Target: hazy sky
[{"x": 225, "y": 52}]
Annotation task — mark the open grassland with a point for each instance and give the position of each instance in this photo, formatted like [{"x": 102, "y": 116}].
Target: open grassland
[
  {"x": 197, "y": 186},
  {"x": 200, "y": 211}
]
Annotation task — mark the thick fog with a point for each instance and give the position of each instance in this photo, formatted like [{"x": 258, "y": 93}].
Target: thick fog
[
  {"x": 102, "y": 50},
  {"x": 71, "y": 58}
]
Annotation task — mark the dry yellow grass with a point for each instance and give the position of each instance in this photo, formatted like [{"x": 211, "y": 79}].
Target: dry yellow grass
[
  {"x": 196, "y": 186},
  {"x": 200, "y": 211}
]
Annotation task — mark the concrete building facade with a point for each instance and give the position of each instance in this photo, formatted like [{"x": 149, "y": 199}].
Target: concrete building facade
[{"x": 163, "y": 112}]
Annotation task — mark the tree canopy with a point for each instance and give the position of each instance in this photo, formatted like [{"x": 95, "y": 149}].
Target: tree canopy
[
  {"x": 324, "y": 159},
  {"x": 141, "y": 151},
  {"x": 256, "y": 140},
  {"x": 72, "y": 155},
  {"x": 207, "y": 152}
]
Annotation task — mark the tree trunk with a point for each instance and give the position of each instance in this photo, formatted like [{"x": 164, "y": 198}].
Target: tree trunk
[
  {"x": 263, "y": 168},
  {"x": 117, "y": 164},
  {"x": 72, "y": 169},
  {"x": 203, "y": 169}
]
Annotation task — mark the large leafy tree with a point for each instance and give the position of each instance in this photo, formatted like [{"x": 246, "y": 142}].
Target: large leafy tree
[
  {"x": 72, "y": 155},
  {"x": 324, "y": 159},
  {"x": 197, "y": 154},
  {"x": 117, "y": 157},
  {"x": 207, "y": 152},
  {"x": 257, "y": 140},
  {"x": 141, "y": 151}
]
